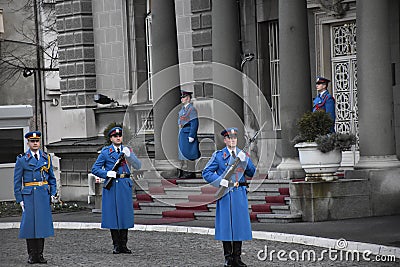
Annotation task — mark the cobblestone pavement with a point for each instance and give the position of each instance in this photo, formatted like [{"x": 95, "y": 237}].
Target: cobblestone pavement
[{"x": 94, "y": 248}]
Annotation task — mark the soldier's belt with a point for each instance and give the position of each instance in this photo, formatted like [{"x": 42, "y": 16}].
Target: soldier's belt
[
  {"x": 240, "y": 184},
  {"x": 35, "y": 183},
  {"x": 123, "y": 175}
]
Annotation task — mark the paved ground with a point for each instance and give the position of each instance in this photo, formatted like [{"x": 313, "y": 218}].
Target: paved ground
[
  {"x": 152, "y": 248},
  {"x": 93, "y": 248},
  {"x": 384, "y": 230}
]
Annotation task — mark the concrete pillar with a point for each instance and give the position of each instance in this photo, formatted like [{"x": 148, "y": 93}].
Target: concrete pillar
[
  {"x": 228, "y": 107},
  {"x": 294, "y": 64},
  {"x": 166, "y": 92},
  {"x": 375, "y": 92}
]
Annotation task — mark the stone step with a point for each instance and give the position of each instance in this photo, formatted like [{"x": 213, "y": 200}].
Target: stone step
[
  {"x": 279, "y": 218},
  {"x": 264, "y": 218},
  {"x": 166, "y": 195},
  {"x": 156, "y": 206},
  {"x": 254, "y": 184},
  {"x": 284, "y": 209},
  {"x": 149, "y": 214},
  {"x": 182, "y": 191},
  {"x": 169, "y": 199},
  {"x": 191, "y": 182}
]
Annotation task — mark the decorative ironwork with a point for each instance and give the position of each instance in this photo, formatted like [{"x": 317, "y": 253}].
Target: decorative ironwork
[
  {"x": 344, "y": 40},
  {"x": 344, "y": 67}
]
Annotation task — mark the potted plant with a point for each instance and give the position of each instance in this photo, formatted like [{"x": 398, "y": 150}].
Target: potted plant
[{"x": 319, "y": 149}]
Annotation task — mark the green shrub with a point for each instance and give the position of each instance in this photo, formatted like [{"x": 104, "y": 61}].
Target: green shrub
[{"x": 315, "y": 127}]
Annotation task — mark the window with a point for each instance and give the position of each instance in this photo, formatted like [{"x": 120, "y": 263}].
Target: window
[
  {"x": 149, "y": 63},
  {"x": 1, "y": 22},
  {"x": 11, "y": 143},
  {"x": 273, "y": 38}
]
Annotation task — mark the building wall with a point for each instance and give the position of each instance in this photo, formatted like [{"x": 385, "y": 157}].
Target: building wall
[
  {"x": 18, "y": 90},
  {"x": 110, "y": 49}
]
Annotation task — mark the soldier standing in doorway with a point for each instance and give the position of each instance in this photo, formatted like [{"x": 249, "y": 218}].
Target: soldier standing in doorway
[
  {"x": 188, "y": 144},
  {"x": 34, "y": 189},
  {"x": 324, "y": 101}
]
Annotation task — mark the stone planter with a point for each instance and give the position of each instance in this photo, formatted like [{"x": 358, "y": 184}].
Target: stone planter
[{"x": 317, "y": 165}]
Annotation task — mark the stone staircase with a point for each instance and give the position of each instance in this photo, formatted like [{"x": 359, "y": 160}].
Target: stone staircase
[{"x": 157, "y": 198}]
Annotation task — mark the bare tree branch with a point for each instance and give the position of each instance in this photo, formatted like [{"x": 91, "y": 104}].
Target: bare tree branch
[{"x": 20, "y": 53}]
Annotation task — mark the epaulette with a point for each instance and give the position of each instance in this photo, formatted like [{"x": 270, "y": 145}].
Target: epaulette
[
  {"x": 21, "y": 155},
  {"x": 217, "y": 151},
  {"x": 44, "y": 154}
]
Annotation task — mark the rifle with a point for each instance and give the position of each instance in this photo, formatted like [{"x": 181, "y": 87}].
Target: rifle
[
  {"x": 108, "y": 184},
  {"x": 221, "y": 191}
]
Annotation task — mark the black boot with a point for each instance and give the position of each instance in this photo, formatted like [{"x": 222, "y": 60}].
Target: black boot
[
  {"x": 237, "y": 252},
  {"x": 115, "y": 239},
  {"x": 30, "y": 244},
  {"x": 39, "y": 251},
  {"x": 123, "y": 239},
  {"x": 228, "y": 253},
  {"x": 188, "y": 175},
  {"x": 180, "y": 173}
]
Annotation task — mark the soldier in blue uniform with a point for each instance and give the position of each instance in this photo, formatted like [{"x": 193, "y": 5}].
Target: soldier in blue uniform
[
  {"x": 324, "y": 101},
  {"x": 232, "y": 220},
  {"x": 188, "y": 144},
  {"x": 34, "y": 188},
  {"x": 117, "y": 203}
]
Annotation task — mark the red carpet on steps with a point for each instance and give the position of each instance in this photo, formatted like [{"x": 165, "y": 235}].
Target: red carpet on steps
[
  {"x": 277, "y": 200},
  {"x": 284, "y": 191},
  {"x": 156, "y": 190},
  {"x": 209, "y": 190},
  {"x": 136, "y": 205},
  {"x": 178, "y": 214},
  {"x": 168, "y": 183},
  {"x": 266, "y": 208},
  {"x": 194, "y": 206},
  {"x": 144, "y": 198}
]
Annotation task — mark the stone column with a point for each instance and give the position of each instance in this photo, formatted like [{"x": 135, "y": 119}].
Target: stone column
[
  {"x": 294, "y": 64},
  {"x": 166, "y": 91},
  {"x": 228, "y": 95},
  {"x": 375, "y": 93}
]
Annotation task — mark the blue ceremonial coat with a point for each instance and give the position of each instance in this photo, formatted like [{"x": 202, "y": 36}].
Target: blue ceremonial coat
[
  {"x": 232, "y": 220},
  {"x": 188, "y": 124},
  {"x": 326, "y": 103},
  {"x": 36, "y": 221},
  {"x": 117, "y": 203}
]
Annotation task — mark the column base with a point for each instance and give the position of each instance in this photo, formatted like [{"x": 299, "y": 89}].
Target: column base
[
  {"x": 377, "y": 162},
  {"x": 289, "y": 168}
]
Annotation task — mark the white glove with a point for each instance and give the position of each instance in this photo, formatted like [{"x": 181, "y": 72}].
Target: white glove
[
  {"x": 191, "y": 139},
  {"x": 224, "y": 183},
  {"x": 242, "y": 156},
  {"x": 22, "y": 205},
  {"x": 126, "y": 151},
  {"x": 54, "y": 199},
  {"x": 112, "y": 174}
]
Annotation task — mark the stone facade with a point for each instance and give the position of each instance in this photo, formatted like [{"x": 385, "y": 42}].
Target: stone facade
[
  {"x": 113, "y": 61},
  {"x": 76, "y": 53}
]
